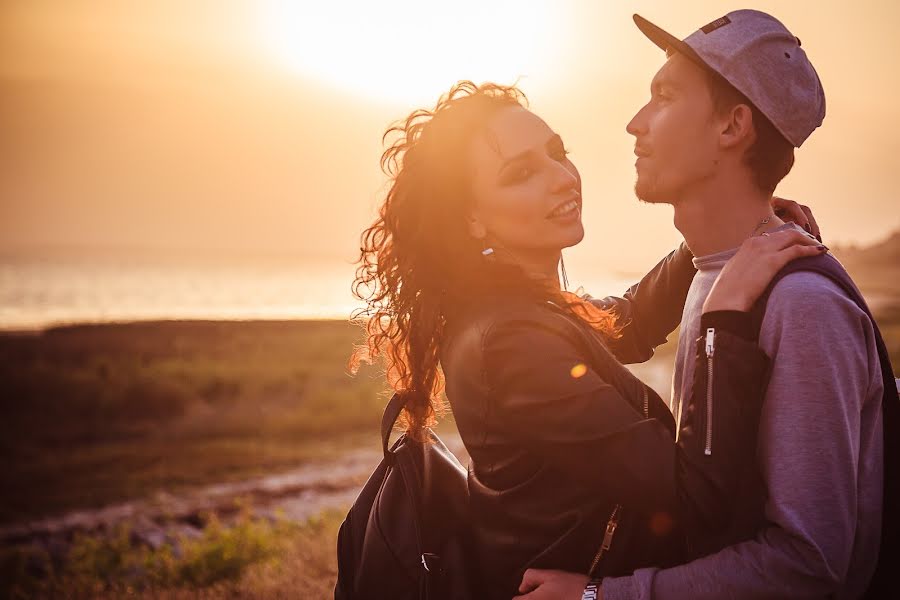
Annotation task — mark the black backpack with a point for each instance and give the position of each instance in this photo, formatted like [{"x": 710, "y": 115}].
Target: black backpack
[
  {"x": 406, "y": 535},
  {"x": 885, "y": 570}
]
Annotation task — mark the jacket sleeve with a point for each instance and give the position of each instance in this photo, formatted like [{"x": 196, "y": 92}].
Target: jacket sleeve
[
  {"x": 651, "y": 309},
  {"x": 548, "y": 390},
  {"x": 721, "y": 422}
]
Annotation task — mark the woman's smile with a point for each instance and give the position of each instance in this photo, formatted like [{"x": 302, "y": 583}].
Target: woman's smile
[{"x": 567, "y": 211}]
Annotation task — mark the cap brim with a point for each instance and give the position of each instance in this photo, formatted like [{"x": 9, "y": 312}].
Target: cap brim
[{"x": 666, "y": 41}]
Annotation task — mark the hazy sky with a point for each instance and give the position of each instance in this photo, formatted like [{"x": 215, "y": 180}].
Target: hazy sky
[{"x": 255, "y": 127}]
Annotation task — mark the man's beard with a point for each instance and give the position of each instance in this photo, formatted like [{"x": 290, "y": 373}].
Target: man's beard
[{"x": 648, "y": 191}]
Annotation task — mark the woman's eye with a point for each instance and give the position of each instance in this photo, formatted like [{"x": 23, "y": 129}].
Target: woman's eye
[
  {"x": 521, "y": 173},
  {"x": 516, "y": 174}
]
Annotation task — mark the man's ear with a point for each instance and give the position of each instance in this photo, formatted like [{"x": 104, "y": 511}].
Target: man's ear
[{"x": 738, "y": 127}]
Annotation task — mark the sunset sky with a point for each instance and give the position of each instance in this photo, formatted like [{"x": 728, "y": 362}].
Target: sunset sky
[{"x": 255, "y": 127}]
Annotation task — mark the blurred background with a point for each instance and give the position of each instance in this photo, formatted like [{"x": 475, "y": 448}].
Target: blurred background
[{"x": 182, "y": 189}]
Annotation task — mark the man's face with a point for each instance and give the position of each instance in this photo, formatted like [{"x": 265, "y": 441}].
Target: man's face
[{"x": 676, "y": 136}]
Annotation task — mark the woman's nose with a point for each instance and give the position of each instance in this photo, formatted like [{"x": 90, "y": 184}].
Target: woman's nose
[{"x": 564, "y": 176}]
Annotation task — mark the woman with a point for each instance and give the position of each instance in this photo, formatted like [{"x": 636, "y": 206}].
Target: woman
[{"x": 574, "y": 461}]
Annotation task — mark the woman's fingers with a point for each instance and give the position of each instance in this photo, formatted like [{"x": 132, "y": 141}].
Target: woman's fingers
[
  {"x": 779, "y": 259},
  {"x": 531, "y": 579},
  {"x": 790, "y": 211},
  {"x": 800, "y": 214},
  {"x": 813, "y": 226},
  {"x": 775, "y": 241},
  {"x": 780, "y": 240},
  {"x": 797, "y": 251},
  {"x": 750, "y": 271},
  {"x": 549, "y": 584}
]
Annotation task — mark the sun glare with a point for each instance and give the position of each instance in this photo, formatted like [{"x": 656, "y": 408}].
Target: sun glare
[{"x": 412, "y": 50}]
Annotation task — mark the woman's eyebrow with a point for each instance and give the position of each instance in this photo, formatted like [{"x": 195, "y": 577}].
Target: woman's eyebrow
[{"x": 516, "y": 157}]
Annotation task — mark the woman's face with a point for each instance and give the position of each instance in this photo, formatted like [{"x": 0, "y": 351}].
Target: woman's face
[{"x": 527, "y": 193}]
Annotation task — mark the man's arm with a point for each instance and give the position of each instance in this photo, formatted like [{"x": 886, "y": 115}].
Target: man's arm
[{"x": 822, "y": 346}]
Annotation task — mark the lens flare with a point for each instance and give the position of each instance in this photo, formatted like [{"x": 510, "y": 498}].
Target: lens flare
[{"x": 578, "y": 371}]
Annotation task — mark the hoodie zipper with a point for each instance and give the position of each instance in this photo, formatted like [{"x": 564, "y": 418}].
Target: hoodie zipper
[
  {"x": 607, "y": 539},
  {"x": 646, "y": 402},
  {"x": 710, "y": 352}
]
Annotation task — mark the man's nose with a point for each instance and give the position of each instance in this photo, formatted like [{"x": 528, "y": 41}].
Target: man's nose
[{"x": 638, "y": 124}]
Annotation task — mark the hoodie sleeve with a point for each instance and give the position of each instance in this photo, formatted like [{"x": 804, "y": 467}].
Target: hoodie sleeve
[{"x": 819, "y": 452}]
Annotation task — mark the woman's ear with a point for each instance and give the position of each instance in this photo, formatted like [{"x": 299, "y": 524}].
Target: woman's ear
[{"x": 739, "y": 127}]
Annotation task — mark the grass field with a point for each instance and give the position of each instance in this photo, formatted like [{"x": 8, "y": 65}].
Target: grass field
[
  {"x": 96, "y": 414},
  {"x": 252, "y": 558},
  {"x": 99, "y": 413}
]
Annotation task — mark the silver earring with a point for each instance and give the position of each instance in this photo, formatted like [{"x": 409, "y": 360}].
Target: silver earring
[
  {"x": 487, "y": 252},
  {"x": 562, "y": 266}
]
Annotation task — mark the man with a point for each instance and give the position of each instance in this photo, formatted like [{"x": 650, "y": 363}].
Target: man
[{"x": 726, "y": 111}]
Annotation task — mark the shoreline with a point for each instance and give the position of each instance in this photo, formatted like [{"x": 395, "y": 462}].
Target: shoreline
[{"x": 8, "y": 330}]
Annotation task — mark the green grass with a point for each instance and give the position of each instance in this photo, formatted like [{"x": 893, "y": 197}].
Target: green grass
[
  {"x": 252, "y": 558},
  {"x": 97, "y": 414}
]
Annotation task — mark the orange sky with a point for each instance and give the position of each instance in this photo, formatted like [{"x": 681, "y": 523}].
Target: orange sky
[{"x": 229, "y": 126}]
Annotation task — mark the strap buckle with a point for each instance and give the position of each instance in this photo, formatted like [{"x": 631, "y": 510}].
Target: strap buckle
[{"x": 431, "y": 562}]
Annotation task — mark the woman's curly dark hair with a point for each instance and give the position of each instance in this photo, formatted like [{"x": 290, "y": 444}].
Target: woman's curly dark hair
[{"x": 418, "y": 262}]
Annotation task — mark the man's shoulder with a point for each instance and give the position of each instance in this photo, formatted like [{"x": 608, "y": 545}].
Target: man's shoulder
[
  {"x": 813, "y": 303},
  {"x": 812, "y": 287},
  {"x": 804, "y": 287}
]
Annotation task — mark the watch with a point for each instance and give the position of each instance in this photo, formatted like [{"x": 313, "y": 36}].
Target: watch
[{"x": 591, "y": 590}]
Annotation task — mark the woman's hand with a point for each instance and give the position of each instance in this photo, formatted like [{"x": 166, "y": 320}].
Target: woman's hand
[
  {"x": 748, "y": 273},
  {"x": 788, "y": 210},
  {"x": 544, "y": 584}
]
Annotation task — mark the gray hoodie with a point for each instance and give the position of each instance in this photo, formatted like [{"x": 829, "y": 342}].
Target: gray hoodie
[{"x": 819, "y": 450}]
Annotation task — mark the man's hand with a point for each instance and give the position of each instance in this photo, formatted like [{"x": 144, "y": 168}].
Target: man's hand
[{"x": 544, "y": 584}]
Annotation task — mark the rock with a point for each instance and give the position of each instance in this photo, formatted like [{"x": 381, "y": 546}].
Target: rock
[
  {"x": 184, "y": 531},
  {"x": 146, "y": 532}
]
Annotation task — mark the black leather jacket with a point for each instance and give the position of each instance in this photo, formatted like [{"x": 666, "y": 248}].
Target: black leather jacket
[{"x": 570, "y": 452}]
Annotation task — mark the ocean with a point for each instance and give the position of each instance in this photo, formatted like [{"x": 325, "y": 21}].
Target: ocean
[{"x": 43, "y": 289}]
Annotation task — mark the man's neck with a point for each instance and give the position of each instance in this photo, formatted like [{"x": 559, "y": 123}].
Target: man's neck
[{"x": 719, "y": 217}]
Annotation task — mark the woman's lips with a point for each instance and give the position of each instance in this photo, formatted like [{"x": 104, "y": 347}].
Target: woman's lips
[{"x": 569, "y": 211}]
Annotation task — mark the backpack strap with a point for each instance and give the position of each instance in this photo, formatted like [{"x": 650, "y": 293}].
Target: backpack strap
[
  {"x": 828, "y": 266},
  {"x": 391, "y": 414},
  {"x": 825, "y": 265}
]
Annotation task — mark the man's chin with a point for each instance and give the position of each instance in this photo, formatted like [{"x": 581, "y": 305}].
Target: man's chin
[{"x": 649, "y": 193}]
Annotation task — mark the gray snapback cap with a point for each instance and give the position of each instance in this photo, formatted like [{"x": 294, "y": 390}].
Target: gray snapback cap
[{"x": 756, "y": 54}]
